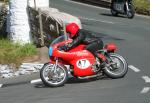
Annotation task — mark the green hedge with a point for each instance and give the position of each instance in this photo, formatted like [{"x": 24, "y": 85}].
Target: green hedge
[
  {"x": 142, "y": 6},
  {"x": 14, "y": 53}
]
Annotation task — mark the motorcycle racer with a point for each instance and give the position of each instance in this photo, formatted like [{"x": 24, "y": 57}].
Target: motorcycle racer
[
  {"x": 79, "y": 61},
  {"x": 81, "y": 36}
]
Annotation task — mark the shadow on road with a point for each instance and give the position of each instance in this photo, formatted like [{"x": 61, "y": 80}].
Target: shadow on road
[
  {"x": 110, "y": 15},
  {"x": 73, "y": 80}
]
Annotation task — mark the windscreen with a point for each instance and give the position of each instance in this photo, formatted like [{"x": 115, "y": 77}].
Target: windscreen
[{"x": 58, "y": 39}]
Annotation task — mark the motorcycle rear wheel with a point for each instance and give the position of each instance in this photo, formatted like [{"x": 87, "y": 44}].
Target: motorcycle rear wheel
[
  {"x": 113, "y": 12},
  {"x": 51, "y": 78},
  {"x": 118, "y": 68},
  {"x": 131, "y": 12}
]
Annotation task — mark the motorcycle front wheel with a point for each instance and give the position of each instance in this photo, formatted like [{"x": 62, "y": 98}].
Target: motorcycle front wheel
[
  {"x": 117, "y": 66},
  {"x": 53, "y": 77}
]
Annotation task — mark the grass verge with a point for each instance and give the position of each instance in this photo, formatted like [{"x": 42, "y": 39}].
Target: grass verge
[{"x": 14, "y": 53}]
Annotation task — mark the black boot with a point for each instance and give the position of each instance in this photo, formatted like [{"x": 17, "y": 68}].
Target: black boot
[{"x": 102, "y": 63}]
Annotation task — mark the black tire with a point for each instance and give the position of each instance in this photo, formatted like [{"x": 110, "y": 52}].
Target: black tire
[
  {"x": 119, "y": 71},
  {"x": 131, "y": 12},
  {"x": 47, "y": 69},
  {"x": 113, "y": 12}
]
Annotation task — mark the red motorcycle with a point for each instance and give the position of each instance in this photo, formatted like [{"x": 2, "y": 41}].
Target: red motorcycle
[{"x": 80, "y": 63}]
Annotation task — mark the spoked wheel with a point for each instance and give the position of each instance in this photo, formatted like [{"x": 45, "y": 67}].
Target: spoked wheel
[
  {"x": 117, "y": 67},
  {"x": 54, "y": 76}
]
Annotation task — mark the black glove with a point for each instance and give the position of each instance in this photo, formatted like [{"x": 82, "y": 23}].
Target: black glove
[{"x": 63, "y": 47}]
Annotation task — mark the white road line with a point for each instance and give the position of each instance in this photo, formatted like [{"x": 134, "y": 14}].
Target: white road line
[
  {"x": 97, "y": 20},
  {"x": 145, "y": 90},
  {"x": 146, "y": 78},
  {"x": 133, "y": 68},
  {"x": 36, "y": 81},
  {"x": 33, "y": 64},
  {"x": 1, "y": 85},
  {"x": 88, "y": 5}
]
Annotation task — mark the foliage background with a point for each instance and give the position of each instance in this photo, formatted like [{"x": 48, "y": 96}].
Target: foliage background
[
  {"x": 14, "y": 53},
  {"x": 142, "y": 4}
]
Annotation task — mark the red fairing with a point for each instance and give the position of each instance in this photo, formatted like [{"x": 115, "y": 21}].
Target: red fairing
[
  {"x": 83, "y": 64},
  {"x": 80, "y": 47},
  {"x": 80, "y": 59},
  {"x": 111, "y": 47},
  {"x": 102, "y": 57}
]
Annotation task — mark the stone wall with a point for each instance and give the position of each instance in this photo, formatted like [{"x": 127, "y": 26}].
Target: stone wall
[{"x": 48, "y": 23}]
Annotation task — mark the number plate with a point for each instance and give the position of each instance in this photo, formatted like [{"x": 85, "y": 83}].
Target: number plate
[
  {"x": 119, "y": 6},
  {"x": 83, "y": 63}
]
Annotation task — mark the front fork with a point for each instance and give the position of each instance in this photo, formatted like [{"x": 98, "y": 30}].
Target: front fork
[
  {"x": 54, "y": 72},
  {"x": 127, "y": 5},
  {"x": 55, "y": 66}
]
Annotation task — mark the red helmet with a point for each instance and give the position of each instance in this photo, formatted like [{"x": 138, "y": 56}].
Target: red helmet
[{"x": 72, "y": 29}]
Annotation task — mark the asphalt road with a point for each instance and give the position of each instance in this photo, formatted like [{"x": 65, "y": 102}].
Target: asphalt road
[{"x": 133, "y": 39}]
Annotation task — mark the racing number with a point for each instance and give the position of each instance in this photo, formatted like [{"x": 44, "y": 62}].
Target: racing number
[{"x": 83, "y": 63}]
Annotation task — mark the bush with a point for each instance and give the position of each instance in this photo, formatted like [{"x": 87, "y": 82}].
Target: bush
[
  {"x": 11, "y": 53},
  {"x": 142, "y": 6}
]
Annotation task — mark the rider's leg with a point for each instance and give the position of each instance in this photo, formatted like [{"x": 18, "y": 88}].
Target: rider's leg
[{"x": 94, "y": 46}]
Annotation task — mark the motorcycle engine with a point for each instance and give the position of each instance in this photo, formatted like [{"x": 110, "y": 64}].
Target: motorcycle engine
[{"x": 96, "y": 67}]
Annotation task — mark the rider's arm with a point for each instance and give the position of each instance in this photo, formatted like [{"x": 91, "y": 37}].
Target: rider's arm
[{"x": 76, "y": 41}]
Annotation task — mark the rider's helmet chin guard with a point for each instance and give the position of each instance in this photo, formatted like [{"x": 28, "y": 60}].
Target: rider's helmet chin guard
[{"x": 72, "y": 29}]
